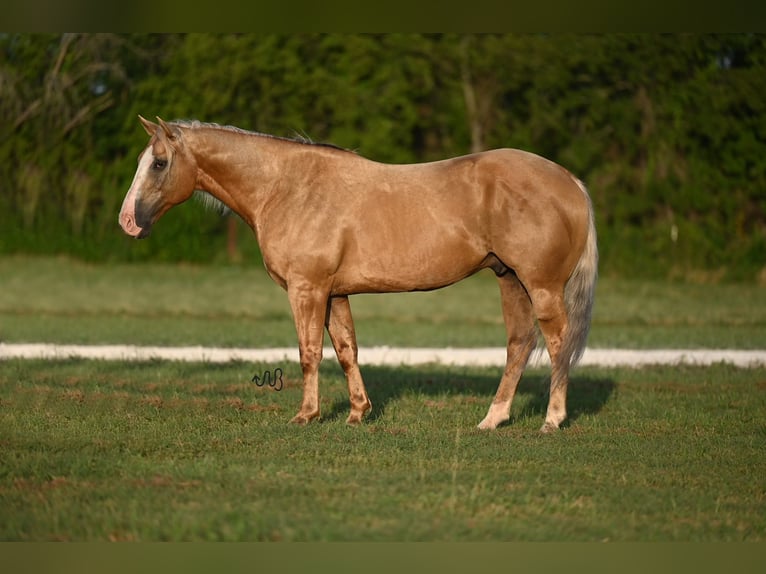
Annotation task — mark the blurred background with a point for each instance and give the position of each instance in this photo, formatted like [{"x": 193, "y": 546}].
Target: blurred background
[{"x": 667, "y": 131}]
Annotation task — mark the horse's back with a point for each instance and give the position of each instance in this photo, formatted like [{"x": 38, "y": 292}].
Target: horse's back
[{"x": 422, "y": 226}]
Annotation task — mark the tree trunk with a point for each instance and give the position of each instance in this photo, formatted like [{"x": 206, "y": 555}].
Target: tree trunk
[{"x": 469, "y": 95}]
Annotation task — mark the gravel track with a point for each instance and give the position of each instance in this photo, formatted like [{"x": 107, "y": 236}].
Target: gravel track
[{"x": 391, "y": 356}]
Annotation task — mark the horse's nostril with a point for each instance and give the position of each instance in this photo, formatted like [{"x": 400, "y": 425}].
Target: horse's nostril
[{"x": 128, "y": 223}]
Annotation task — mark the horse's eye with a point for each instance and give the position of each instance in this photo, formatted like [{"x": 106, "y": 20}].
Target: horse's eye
[{"x": 159, "y": 164}]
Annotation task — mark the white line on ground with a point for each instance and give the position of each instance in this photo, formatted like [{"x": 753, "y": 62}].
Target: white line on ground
[{"x": 494, "y": 356}]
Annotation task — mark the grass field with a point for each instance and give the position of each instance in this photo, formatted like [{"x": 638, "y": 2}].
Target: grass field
[
  {"x": 170, "y": 451},
  {"x": 154, "y": 451},
  {"x": 61, "y": 301}
]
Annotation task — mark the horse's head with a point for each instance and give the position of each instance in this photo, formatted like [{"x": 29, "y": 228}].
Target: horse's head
[{"x": 166, "y": 176}]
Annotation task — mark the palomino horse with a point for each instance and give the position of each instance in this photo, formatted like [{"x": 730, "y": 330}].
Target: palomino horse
[{"x": 331, "y": 223}]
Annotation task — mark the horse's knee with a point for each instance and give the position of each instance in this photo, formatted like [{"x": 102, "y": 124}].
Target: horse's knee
[{"x": 310, "y": 356}]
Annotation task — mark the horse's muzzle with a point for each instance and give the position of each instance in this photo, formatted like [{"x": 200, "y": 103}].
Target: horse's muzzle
[
  {"x": 136, "y": 218},
  {"x": 129, "y": 226}
]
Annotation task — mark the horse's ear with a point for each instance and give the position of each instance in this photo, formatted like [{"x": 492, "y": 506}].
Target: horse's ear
[
  {"x": 150, "y": 127},
  {"x": 169, "y": 132}
]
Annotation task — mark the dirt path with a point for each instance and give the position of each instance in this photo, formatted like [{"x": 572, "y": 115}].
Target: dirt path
[{"x": 382, "y": 355}]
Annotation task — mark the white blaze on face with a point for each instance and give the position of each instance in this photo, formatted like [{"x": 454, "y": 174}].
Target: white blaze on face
[{"x": 127, "y": 217}]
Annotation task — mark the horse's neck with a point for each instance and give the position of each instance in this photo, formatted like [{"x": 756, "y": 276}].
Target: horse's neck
[{"x": 238, "y": 169}]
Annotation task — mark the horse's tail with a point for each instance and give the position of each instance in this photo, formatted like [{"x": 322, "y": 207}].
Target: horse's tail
[{"x": 579, "y": 293}]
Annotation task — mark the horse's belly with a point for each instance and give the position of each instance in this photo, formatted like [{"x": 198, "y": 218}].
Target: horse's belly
[{"x": 409, "y": 268}]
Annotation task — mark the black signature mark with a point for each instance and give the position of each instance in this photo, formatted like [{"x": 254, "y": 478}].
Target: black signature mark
[{"x": 267, "y": 378}]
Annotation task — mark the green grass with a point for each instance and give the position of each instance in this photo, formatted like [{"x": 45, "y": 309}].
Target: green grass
[
  {"x": 168, "y": 451},
  {"x": 94, "y": 450},
  {"x": 63, "y": 301}
]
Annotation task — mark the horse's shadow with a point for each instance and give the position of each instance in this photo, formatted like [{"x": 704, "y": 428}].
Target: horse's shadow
[{"x": 587, "y": 394}]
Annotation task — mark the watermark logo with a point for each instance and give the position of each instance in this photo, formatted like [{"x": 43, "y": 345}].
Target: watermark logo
[{"x": 273, "y": 380}]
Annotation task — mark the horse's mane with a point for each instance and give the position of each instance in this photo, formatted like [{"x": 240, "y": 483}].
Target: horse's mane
[{"x": 299, "y": 138}]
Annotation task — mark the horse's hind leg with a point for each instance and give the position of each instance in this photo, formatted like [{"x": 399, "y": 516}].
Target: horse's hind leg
[
  {"x": 340, "y": 326},
  {"x": 549, "y": 307},
  {"x": 520, "y": 326}
]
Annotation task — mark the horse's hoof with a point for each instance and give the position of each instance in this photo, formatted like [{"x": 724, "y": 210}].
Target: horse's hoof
[
  {"x": 549, "y": 428},
  {"x": 302, "y": 420},
  {"x": 354, "y": 420},
  {"x": 492, "y": 422},
  {"x": 357, "y": 415}
]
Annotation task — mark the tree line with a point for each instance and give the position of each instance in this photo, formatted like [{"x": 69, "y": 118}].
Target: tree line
[{"x": 667, "y": 131}]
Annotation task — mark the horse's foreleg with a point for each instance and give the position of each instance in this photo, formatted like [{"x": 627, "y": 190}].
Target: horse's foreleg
[
  {"x": 309, "y": 307},
  {"x": 340, "y": 326},
  {"x": 520, "y": 326}
]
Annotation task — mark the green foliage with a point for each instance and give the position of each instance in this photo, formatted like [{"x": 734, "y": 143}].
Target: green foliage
[{"x": 668, "y": 131}]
